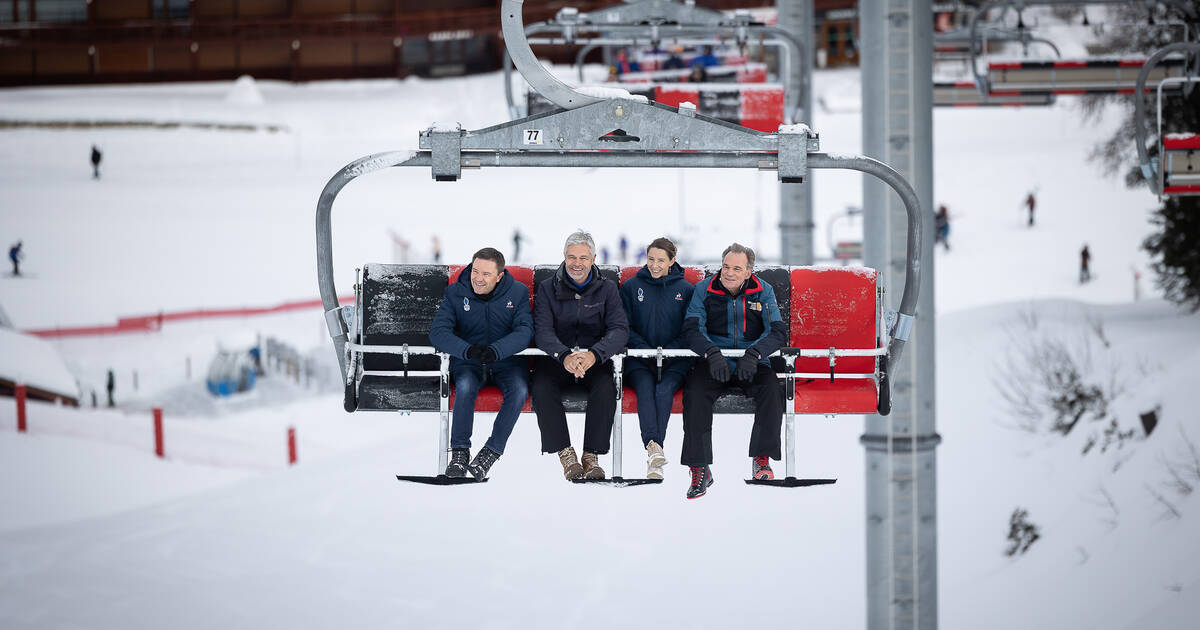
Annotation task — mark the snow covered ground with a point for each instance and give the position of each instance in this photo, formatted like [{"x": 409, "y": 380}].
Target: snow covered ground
[{"x": 97, "y": 532}]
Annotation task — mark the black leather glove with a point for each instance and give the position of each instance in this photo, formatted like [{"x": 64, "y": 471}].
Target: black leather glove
[
  {"x": 718, "y": 367},
  {"x": 475, "y": 352},
  {"x": 488, "y": 356},
  {"x": 747, "y": 366}
]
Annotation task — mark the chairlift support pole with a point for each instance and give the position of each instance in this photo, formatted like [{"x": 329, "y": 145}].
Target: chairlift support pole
[{"x": 900, "y": 449}]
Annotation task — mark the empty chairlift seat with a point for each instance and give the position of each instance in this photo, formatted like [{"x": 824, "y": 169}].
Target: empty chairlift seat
[
  {"x": 836, "y": 307},
  {"x": 1181, "y": 164},
  {"x": 1086, "y": 76}
]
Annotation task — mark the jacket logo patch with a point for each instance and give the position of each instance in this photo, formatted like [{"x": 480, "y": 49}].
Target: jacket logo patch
[
  {"x": 466, "y": 304},
  {"x": 679, "y": 297},
  {"x": 641, "y": 296},
  {"x": 755, "y": 306},
  {"x": 509, "y": 305}
]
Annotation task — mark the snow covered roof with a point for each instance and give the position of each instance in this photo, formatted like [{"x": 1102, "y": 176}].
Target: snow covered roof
[{"x": 34, "y": 362}]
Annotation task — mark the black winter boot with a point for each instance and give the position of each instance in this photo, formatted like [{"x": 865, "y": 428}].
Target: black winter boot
[
  {"x": 458, "y": 462},
  {"x": 482, "y": 463},
  {"x": 702, "y": 478}
]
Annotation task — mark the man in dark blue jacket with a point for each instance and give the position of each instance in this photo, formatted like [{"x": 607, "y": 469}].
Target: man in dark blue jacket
[
  {"x": 655, "y": 300},
  {"x": 732, "y": 310},
  {"x": 483, "y": 320},
  {"x": 580, "y": 324}
]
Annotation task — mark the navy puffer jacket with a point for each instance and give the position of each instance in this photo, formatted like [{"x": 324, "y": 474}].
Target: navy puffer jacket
[
  {"x": 591, "y": 318},
  {"x": 656, "y": 308},
  {"x": 500, "y": 320}
]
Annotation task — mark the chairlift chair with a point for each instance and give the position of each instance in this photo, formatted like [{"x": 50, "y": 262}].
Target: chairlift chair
[
  {"x": 381, "y": 341},
  {"x": 1176, "y": 170}
]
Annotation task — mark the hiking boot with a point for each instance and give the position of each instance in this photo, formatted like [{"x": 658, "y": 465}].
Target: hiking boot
[
  {"x": 655, "y": 460},
  {"x": 591, "y": 466},
  {"x": 762, "y": 468},
  {"x": 570, "y": 463},
  {"x": 482, "y": 463},
  {"x": 458, "y": 462},
  {"x": 702, "y": 478}
]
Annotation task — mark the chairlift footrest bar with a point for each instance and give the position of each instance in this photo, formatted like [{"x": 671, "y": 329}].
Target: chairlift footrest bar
[
  {"x": 790, "y": 482},
  {"x": 618, "y": 482},
  {"x": 439, "y": 480}
]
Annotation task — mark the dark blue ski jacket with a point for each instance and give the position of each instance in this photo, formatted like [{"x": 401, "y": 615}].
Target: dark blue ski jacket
[
  {"x": 590, "y": 318},
  {"x": 751, "y": 318},
  {"x": 501, "y": 320},
  {"x": 655, "y": 308}
]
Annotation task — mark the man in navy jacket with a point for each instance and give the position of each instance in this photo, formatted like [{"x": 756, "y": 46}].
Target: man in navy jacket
[
  {"x": 732, "y": 310},
  {"x": 483, "y": 320},
  {"x": 580, "y": 324}
]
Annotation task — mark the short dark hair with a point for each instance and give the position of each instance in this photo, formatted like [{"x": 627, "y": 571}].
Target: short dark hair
[
  {"x": 492, "y": 254},
  {"x": 738, "y": 248},
  {"x": 664, "y": 244}
]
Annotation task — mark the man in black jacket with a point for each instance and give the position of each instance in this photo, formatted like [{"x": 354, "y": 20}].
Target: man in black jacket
[{"x": 580, "y": 324}]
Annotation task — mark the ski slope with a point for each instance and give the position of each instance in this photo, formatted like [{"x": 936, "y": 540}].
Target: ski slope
[{"x": 97, "y": 532}]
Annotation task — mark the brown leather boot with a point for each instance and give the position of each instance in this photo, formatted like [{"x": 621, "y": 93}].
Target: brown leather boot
[
  {"x": 570, "y": 463},
  {"x": 591, "y": 466}
]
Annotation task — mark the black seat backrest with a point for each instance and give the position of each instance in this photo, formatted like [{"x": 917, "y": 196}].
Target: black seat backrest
[{"x": 399, "y": 302}]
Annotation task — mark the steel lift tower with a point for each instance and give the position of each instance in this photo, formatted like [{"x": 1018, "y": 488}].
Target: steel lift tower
[{"x": 901, "y": 502}]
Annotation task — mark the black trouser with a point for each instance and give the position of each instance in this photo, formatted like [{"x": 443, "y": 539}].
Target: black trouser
[
  {"x": 549, "y": 380},
  {"x": 701, "y": 391}
]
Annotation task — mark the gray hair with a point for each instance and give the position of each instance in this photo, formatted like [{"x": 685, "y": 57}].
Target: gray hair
[
  {"x": 738, "y": 248},
  {"x": 579, "y": 237}
]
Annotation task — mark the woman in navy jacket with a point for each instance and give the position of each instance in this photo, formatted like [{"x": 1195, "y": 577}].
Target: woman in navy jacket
[{"x": 655, "y": 301}]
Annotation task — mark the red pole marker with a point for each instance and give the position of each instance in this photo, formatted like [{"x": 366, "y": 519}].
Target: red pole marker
[
  {"x": 20, "y": 395},
  {"x": 291, "y": 446},
  {"x": 158, "y": 432}
]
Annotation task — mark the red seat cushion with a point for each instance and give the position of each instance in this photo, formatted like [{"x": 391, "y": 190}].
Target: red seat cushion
[
  {"x": 846, "y": 395},
  {"x": 489, "y": 399}
]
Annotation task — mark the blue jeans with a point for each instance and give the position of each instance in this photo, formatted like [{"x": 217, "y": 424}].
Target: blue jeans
[
  {"x": 513, "y": 381},
  {"x": 654, "y": 401}
]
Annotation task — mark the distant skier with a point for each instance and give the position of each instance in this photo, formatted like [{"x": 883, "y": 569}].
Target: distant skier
[
  {"x": 698, "y": 74},
  {"x": 95, "y": 162},
  {"x": 517, "y": 238},
  {"x": 109, "y": 387},
  {"x": 1085, "y": 258},
  {"x": 1030, "y": 202},
  {"x": 624, "y": 245},
  {"x": 437, "y": 250},
  {"x": 14, "y": 255},
  {"x": 942, "y": 224}
]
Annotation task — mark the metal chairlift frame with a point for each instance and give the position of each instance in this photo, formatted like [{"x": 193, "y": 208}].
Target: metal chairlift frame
[
  {"x": 655, "y": 21},
  {"x": 575, "y": 136},
  {"x": 981, "y": 79},
  {"x": 1152, "y": 169}
]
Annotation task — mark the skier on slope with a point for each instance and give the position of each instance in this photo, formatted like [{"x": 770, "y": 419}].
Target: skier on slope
[{"x": 14, "y": 255}]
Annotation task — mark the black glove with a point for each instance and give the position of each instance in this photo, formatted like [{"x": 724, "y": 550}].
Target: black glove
[
  {"x": 488, "y": 356},
  {"x": 747, "y": 366},
  {"x": 718, "y": 367},
  {"x": 475, "y": 352}
]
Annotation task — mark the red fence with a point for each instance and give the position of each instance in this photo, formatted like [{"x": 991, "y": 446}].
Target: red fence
[{"x": 151, "y": 323}]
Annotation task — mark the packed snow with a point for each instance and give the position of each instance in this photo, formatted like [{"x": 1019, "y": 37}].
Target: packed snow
[{"x": 98, "y": 532}]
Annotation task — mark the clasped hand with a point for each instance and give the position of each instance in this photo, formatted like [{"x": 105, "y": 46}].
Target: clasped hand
[{"x": 578, "y": 363}]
